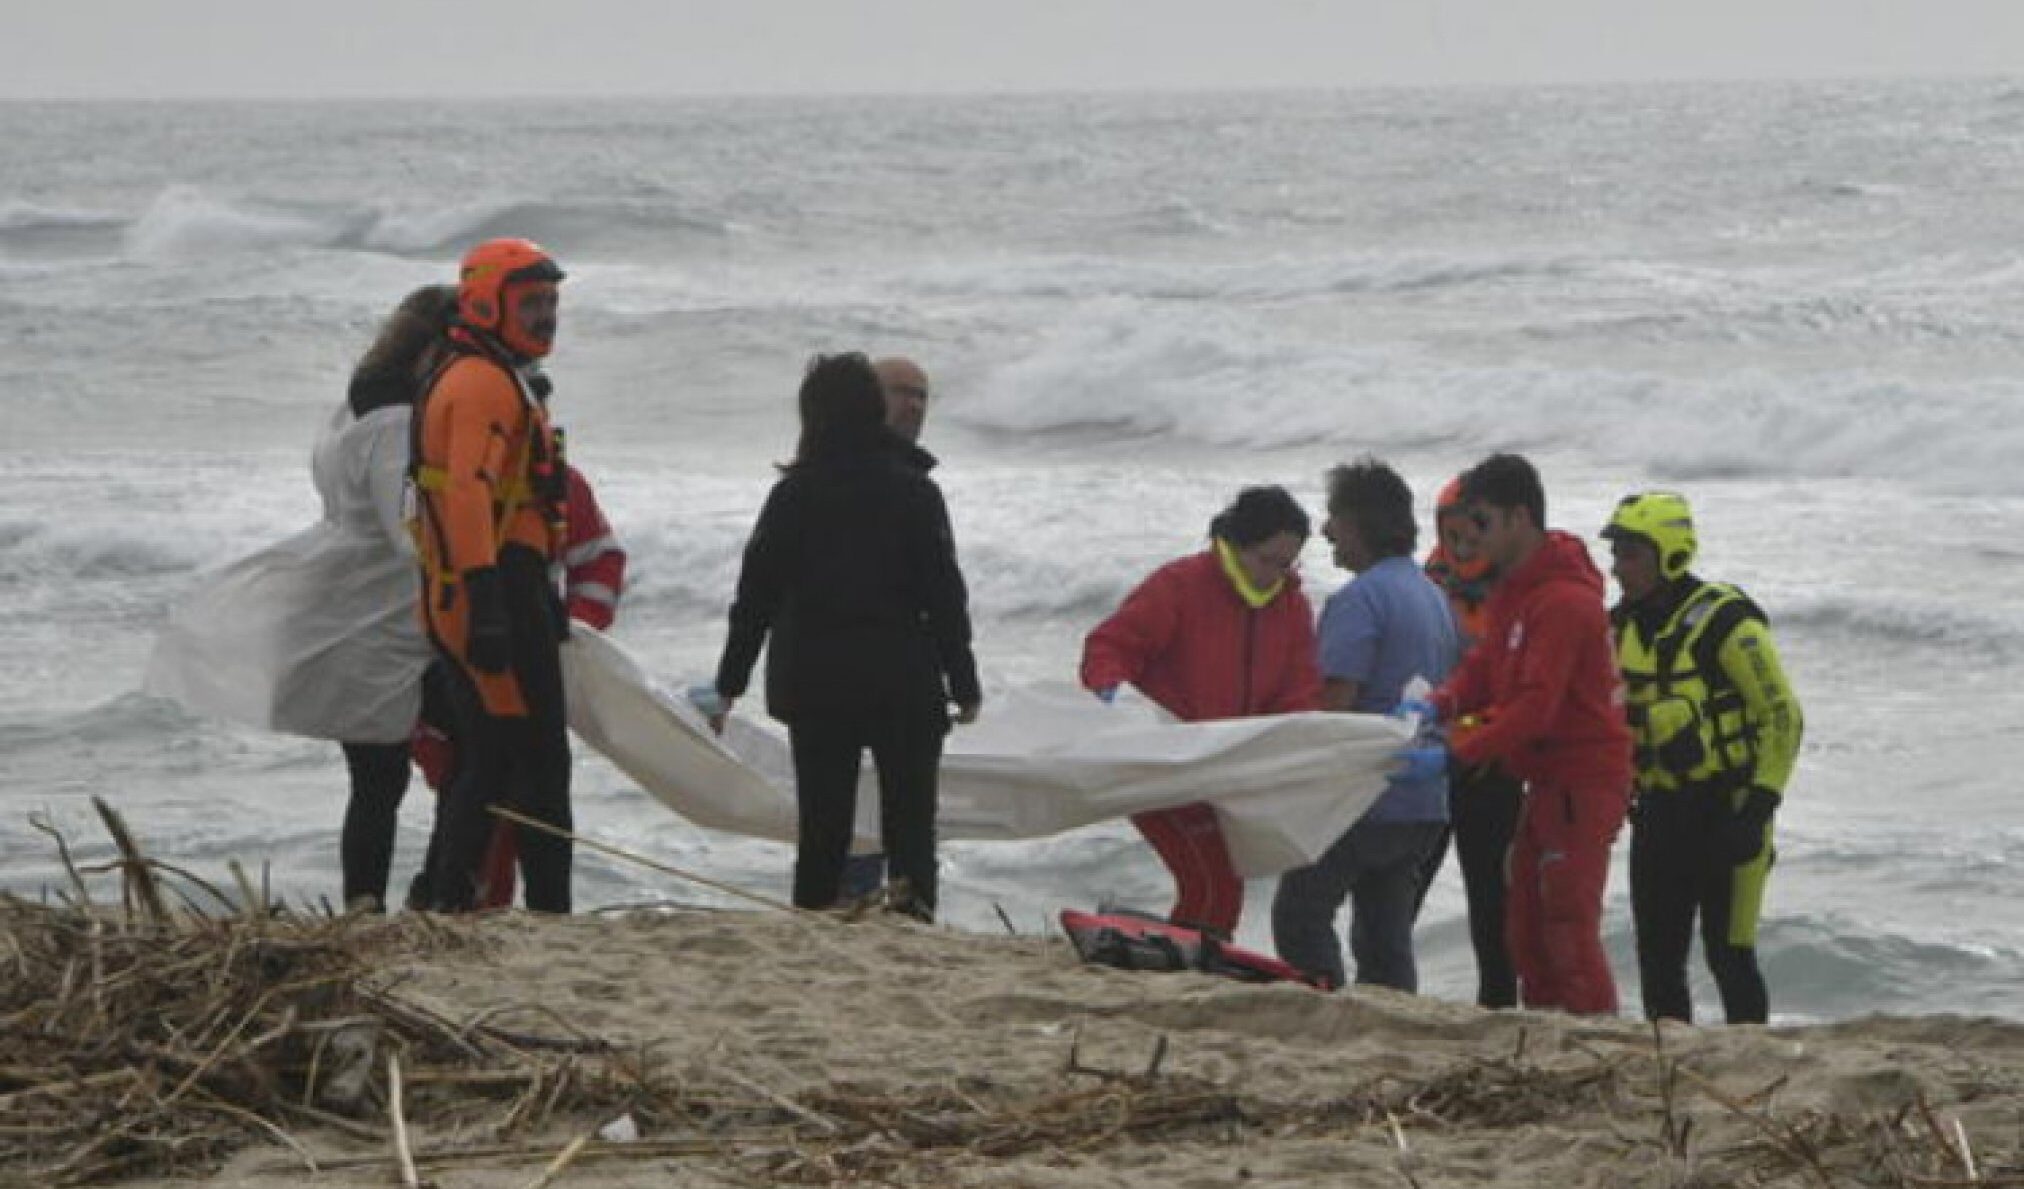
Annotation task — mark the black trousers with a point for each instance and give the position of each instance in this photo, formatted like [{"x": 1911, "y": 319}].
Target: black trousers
[
  {"x": 828, "y": 751},
  {"x": 1483, "y": 805},
  {"x": 379, "y": 780},
  {"x": 1679, "y": 869},
  {"x": 520, "y": 762}
]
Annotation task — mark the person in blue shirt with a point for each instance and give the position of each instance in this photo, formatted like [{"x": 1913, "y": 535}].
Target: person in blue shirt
[{"x": 1387, "y": 626}]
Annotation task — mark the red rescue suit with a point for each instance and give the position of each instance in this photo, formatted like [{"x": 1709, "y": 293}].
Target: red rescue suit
[
  {"x": 1540, "y": 695},
  {"x": 1189, "y": 641}
]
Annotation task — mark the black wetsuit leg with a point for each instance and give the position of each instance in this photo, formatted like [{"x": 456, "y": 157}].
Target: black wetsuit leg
[
  {"x": 1745, "y": 999},
  {"x": 462, "y": 823},
  {"x": 908, "y": 751},
  {"x": 828, "y": 752},
  {"x": 379, "y": 781},
  {"x": 520, "y": 761},
  {"x": 1430, "y": 867},
  {"x": 1669, "y": 842},
  {"x": 538, "y": 783},
  {"x": 1484, "y": 805}
]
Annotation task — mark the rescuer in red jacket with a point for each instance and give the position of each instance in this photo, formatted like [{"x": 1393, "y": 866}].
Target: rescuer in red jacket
[
  {"x": 1540, "y": 695},
  {"x": 1224, "y": 633}
]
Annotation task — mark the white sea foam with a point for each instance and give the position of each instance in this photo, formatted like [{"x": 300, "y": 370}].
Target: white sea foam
[{"x": 184, "y": 221}]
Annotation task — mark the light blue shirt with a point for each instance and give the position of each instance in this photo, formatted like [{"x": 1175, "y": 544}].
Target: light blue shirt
[{"x": 1386, "y": 627}]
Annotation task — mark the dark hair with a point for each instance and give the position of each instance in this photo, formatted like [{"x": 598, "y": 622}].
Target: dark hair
[
  {"x": 1506, "y": 481},
  {"x": 842, "y": 407},
  {"x": 1380, "y": 504},
  {"x": 415, "y": 326},
  {"x": 1259, "y": 514},
  {"x": 391, "y": 370}
]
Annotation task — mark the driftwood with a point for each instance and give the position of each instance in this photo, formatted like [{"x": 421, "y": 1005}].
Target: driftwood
[{"x": 146, "y": 1040}]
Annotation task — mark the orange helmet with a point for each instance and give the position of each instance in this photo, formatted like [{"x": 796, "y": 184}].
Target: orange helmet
[
  {"x": 483, "y": 279},
  {"x": 1450, "y": 499}
]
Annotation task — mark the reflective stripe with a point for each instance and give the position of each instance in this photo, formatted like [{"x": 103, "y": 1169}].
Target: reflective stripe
[
  {"x": 589, "y": 550},
  {"x": 435, "y": 478},
  {"x": 594, "y": 592}
]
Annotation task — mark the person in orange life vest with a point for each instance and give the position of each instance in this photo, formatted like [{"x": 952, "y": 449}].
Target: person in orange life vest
[
  {"x": 1483, "y": 801},
  {"x": 593, "y": 579},
  {"x": 1224, "y": 633},
  {"x": 1540, "y": 694},
  {"x": 491, "y": 493}
]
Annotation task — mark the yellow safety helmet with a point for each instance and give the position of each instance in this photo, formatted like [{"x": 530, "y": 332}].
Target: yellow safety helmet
[{"x": 1662, "y": 518}]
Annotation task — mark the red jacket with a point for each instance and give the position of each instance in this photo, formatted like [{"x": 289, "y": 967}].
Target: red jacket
[
  {"x": 593, "y": 560},
  {"x": 1544, "y": 677},
  {"x": 1190, "y": 642}
]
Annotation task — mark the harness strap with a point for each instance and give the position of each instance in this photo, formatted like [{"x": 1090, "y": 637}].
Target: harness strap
[{"x": 433, "y": 480}]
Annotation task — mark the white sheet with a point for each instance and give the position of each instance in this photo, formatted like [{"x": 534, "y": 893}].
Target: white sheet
[{"x": 1042, "y": 760}]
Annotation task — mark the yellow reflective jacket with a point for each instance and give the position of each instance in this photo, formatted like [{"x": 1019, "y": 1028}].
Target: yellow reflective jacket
[{"x": 1708, "y": 701}]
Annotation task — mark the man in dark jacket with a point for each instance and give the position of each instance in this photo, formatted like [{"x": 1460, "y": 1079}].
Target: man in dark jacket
[
  {"x": 852, "y": 571},
  {"x": 1540, "y": 695}
]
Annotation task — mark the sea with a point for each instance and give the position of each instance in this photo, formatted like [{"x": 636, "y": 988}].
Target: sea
[{"x": 1802, "y": 305}]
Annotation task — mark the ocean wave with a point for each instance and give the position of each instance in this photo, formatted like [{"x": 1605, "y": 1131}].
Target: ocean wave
[
  {"x": 1281, "y": 279},
  {"x": 34, "y": 232},
  {"x": 37, "y": 551},
  {"x": 1922, "y": 626},
  {"x": 185, "y": 221},
  {"x": 558, "y": 224},
  {"x": 133, "y": 717},
  {"x": 1214, "y": 375},
  {"x": 18, "y": 218},
  {"x": 1835, "y": 967}
]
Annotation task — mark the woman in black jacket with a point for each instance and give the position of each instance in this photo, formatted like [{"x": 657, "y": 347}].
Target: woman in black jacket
[{"x": 852, "y": 569}]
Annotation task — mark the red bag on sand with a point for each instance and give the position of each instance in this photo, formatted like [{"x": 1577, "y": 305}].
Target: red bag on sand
[{"x": 1132, "y": 942}]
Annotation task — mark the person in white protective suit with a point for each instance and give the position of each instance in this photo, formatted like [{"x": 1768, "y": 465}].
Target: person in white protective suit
[{"x": 317, "y": 635}]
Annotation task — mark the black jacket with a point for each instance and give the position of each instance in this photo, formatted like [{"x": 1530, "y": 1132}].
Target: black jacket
[{"x": 852, "y": 570}]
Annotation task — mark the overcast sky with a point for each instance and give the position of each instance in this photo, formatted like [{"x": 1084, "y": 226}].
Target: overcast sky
[{"x": 296, "y": 48}]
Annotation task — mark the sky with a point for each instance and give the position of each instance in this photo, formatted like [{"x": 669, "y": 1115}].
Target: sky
[{"x": 456, "y": 48}]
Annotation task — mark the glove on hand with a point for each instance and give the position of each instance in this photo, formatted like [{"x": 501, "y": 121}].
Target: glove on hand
[
  {"x": 1423, "y": 762},
  {"x": 1743, "y": 832},
  {"x": 490, "y": 646},
  {"x": 1417, "y": 708},
  {"x": 1106, "y": 695}
]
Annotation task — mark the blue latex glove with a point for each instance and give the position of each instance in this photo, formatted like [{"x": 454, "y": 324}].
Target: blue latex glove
[
  {"x": 705, "y": 698},
  {"x": 1422, "y": 762},
  {"x": 1107, "y": 694},
  {"x": 1420, "y": 706}
]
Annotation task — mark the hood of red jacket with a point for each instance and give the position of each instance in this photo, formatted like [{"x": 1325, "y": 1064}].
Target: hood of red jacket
[{"x": 1562, "y": 558}]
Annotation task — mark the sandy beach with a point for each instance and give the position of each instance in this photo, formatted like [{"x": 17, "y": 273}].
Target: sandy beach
[{"x": 761, "y": 1048}]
